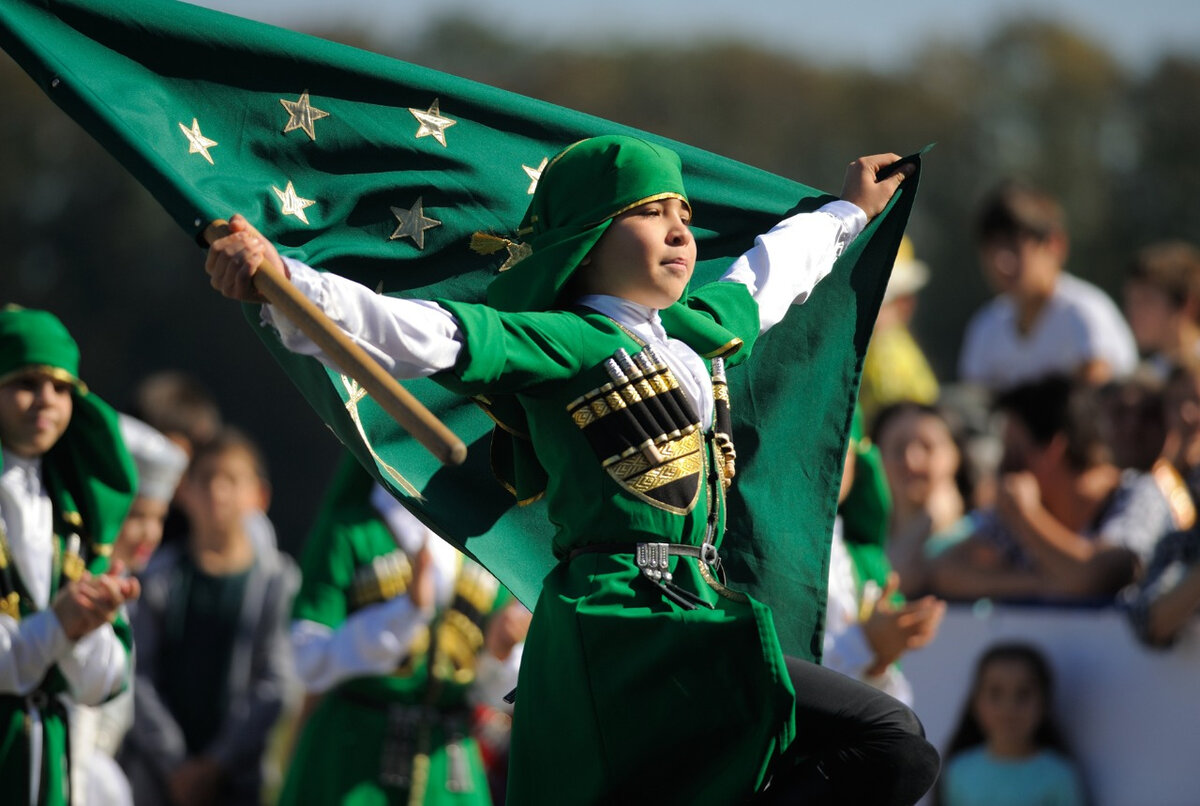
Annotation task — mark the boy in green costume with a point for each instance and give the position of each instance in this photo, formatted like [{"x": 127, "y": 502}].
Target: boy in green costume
[
  {"x": 396, "y": 636},
  {"x": 644, "y": 678},
  {"x": 65, "y": 485}
]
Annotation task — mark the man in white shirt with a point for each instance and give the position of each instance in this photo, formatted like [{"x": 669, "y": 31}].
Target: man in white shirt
[{"x": 1042, "y": 320}]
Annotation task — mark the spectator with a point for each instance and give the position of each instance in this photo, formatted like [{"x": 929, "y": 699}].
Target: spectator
[
  {"x": 96, "y": 732},
  {"x": 179, "y": 406},
  {"x": 1007, "y": 749},
  {"x": 396, "y": 635},
  {"x": 895, "y": 369},
  {"x": 1162, "y": 304},
  {"x": 922, "y": 462},
  {"x": 1042, "y": 321},
  {"x": 1168, "y": 597},
  {"x": 1133, "y": 412},
  {"x": 65, "y": 484},
  {"x": 1181, "y": 416},
  {"x": 1067, "y": 523},
  {"x": 868, "y": 627},
  {"x": 160, "y": 465},
  {"x": 213, "y": 660}
]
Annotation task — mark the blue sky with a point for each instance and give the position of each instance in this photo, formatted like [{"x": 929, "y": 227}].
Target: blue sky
[{"x": 866, "y": 32}]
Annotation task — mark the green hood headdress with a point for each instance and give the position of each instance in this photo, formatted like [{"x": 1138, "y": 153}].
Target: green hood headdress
[
  {"x": 579, "y": 193},
  {"x": 89, "y": 473},
  {"x": 37, "y": 340}
]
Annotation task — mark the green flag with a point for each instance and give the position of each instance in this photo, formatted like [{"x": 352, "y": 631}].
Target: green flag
[{"x": 382, "y": 171}]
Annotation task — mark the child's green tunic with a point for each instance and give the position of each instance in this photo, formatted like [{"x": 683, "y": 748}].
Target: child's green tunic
[
  {"x": 625, "y": 696},
  {"x": 352, "y": 561}
]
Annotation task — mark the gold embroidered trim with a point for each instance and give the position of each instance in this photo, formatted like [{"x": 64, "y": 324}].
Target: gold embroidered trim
[
  {"x": 356, "y": 393},
  {"x": 630, "y": 459},
  {"x": 728, "y": 348},
  {"x": 648, "y": 199},
  {"x": 661, "y": 475},
  {"x": 72, "y": 567},
  {"x": 385, "y": 578},
  {"x": 10, "y": 606},
  {"x": 500, "y": 423},
  {"x": 102, "y": 549},
  {"x": 57, "y": 373}
]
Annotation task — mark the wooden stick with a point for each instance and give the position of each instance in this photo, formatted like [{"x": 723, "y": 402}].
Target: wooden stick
[{"x": 352, "y": 360}]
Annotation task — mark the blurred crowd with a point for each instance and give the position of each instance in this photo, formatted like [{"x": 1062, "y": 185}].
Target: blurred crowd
[{"x": 1062, "y": 465}]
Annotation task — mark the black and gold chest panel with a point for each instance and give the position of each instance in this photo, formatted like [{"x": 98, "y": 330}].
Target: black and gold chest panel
[{"x": 646, "y": 432}]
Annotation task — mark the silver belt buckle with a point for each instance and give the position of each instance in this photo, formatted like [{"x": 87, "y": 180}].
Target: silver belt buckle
[
  {"x": 709, "y": 556},
  {"x": 654, "y": 560}
]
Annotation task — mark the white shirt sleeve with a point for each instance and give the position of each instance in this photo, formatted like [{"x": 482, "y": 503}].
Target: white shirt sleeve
[
  {"x": 409, "y": 338},
  {"x": 96, "y": 667},
  {"x": 371, "y": 641},
  {"x": 786, "y": 263},
  {"x": 494, "y": 677},
  {"x": 27, "y": 649}
]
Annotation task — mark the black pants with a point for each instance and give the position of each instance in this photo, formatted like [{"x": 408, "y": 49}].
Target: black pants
[{"x": 854, "y": 745}]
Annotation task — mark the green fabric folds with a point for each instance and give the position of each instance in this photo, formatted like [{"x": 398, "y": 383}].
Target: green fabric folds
[{"x": 388, "y": 184}]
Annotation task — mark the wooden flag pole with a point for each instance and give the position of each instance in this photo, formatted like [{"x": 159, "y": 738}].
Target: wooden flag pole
[{"x": 352, "y": 359}]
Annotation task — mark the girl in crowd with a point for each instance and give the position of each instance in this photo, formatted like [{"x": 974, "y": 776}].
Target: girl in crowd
[{"x": 1007, "y": 748}]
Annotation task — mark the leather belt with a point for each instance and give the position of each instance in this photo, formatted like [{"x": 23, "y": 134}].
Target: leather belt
[{"x": 654, "y": 561}]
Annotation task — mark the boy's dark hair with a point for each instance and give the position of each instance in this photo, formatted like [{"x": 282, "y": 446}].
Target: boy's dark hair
[
  {"x": 1057, "y": 405},
  {"x": 1171, "y": 267},
  {"x": 1015, "y": 208},
  {"x": 1046, "y": 734},
  {"x": 177, "y": 403},
  {"x": 230, "y": 439}
]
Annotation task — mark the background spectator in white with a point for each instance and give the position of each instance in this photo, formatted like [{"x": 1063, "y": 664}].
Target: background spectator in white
[{"x": 1042, "y": 320}]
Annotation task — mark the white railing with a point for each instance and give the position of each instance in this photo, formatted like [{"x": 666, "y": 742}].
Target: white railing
[{"x": 1132, "y": 714}]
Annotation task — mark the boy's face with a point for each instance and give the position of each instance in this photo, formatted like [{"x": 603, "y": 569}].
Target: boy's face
[
  {"x": 141, "y": 533},
  {"x": 1009, "y": 703},
  {"x": 221, "y": 489},
  {"x": 35, "y": 410},
  {"x": 1021, "y": 264},
  {"x": 918, "y": 454},
  {"x": 647, "y": 255},
  {"x": 1151, "y": 316},
  {"x": 1181, "y": 407}
]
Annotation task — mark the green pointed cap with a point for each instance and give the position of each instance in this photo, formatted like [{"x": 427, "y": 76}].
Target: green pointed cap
[
  {"x": 31, "y": 339},
  {"x": 579, "y": 193}
]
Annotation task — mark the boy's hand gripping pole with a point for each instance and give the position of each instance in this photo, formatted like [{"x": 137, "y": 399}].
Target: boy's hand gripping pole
[{"x": 352, "y": 360}]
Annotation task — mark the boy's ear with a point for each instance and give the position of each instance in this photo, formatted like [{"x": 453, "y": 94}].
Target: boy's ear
[
  {"x": 264, "y": 495},
  {"x": 1060, "y": 244}
]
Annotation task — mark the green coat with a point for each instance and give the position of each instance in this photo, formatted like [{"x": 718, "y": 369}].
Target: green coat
[
  {"x": 625, "y": 696},
  {"x": 352, "y": 561}
]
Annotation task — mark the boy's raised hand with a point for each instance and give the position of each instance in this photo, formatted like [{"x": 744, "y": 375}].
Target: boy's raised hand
[
  {"x": 233, "y": 259},
  {"x": 92, "y": 601},
  {"x": 864, "y": 188}
]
